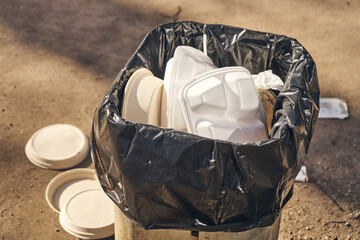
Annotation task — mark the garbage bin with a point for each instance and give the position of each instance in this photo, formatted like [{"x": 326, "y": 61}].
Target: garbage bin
[
  {"x": 125, "y": 229},
  {"x": 166, "y": 179}
]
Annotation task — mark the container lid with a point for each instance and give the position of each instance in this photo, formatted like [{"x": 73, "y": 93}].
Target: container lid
[
  {"x": 85, "y": 210},
  {"x": 89, "y": 214},
  {"x": 69, "y": 183},
  {"x": 57, "y": 146}
]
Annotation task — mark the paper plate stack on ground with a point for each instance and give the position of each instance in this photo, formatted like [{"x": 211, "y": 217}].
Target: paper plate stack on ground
[{"x": 84, "y": 209}]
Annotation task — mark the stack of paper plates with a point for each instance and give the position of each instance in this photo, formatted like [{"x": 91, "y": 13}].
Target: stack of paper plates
[{"x": 85, "y": 210}]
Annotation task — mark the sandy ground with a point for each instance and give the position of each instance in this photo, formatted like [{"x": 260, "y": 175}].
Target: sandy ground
[{"x": 58, "y": 58}]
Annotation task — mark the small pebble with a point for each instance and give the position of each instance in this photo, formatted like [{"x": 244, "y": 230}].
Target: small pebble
[
  {"x": 11, "y": 214},
  {"x": 41, "y": 211},
  {"x": 37, "y": 220},
  {"x": 31, "y": 185},
  {"x": 12, "y": 189},
  {"x": 11, "y": 125},
  {"x": 348, "y": 224},
  {"x": 3, "y": 109},
  {"x": 57, "y": 230}
]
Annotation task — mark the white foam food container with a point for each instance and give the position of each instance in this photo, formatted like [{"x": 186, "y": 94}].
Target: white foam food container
[
  {"x": 142, "y": 98},
  {"x": 224, "y": 104},
  {"x": 187, "y": 63},
  {"x": 57, "y": 146},
  {"x": 85, "y": 210}
]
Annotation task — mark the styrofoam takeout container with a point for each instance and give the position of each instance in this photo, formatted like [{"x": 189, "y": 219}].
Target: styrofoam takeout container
[
  {"x": 187, "y": 63},
  {"x": 85, "y": 210},
  {"x": 224, "y": 104},
  {"x": 57, "y": 146}
]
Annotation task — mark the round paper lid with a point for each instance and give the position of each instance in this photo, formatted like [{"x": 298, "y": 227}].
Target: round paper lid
[
  {"x": 85, "y": 210},
  {"x": 88, "y": 215},
  {"x": 57, "y": 146},
  {"x": 67, "y": 184}
]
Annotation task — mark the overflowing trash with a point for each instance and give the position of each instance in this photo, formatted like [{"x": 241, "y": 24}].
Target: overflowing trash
[
  {"x": 220, "y": 103},
  {"x": 191, "y": 170}
]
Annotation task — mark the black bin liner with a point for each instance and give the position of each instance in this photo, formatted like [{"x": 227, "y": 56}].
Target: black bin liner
[{"x": 163, "y": 178}]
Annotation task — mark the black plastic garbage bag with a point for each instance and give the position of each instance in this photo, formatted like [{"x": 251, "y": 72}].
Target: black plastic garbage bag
[{"x": 163, "y": 178}]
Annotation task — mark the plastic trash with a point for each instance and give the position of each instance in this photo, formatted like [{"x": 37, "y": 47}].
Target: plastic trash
[
  {"x": 268, "y": 80},
  {"x": 183, "y": 67},
  {"x": 224, "y": 104},
  {"x": 162, "y": 178},
  {"x": 333, "y": 108}
]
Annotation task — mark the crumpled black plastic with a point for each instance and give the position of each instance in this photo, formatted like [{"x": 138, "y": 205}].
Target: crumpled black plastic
[{"x": 163, "y": 178}]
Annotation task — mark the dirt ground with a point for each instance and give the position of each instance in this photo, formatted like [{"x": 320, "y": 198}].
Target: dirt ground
[{"x": 58, "y": 59}]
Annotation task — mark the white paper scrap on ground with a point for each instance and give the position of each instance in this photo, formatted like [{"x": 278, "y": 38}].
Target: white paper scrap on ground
[
  {"x": 268, "y": 80},
  {"x": 302, "y": 175},
  {"x": 333, "y": 108}
]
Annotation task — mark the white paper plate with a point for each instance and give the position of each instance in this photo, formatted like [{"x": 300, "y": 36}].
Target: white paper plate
[
  {"x": 85, "y": 210},
  {"x": 69, "y": 183},
  {"x": 57, "y": 146},
  {"x": 142, "y": 98},
  {"x": 88, "y": 215}
]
